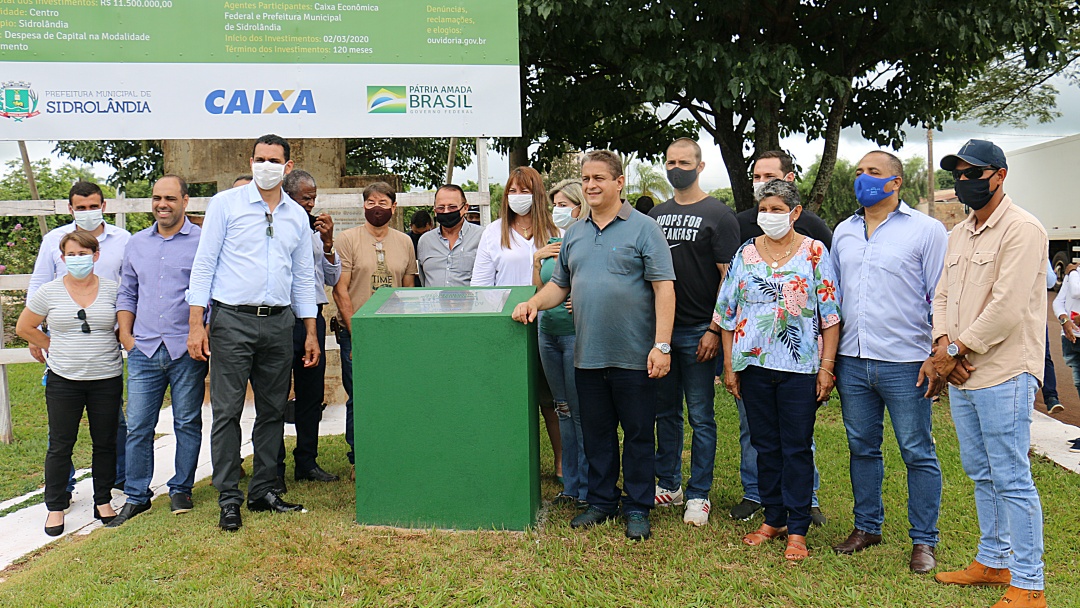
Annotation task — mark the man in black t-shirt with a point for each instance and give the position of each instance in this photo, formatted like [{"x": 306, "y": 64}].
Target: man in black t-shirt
[
  {"x": 703, "y": 235},
  {"x": 770, "y": 165}
]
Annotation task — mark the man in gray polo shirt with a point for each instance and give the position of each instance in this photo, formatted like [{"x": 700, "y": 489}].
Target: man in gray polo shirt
[
  {"x": 445, "y": 256},
  {"x": 617, "y": 268}
]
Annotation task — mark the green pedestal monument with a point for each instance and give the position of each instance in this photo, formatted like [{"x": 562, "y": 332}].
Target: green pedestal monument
[{"x": 445, "y": 412}]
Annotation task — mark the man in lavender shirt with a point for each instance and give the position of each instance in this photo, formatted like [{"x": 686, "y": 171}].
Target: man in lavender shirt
[{"x": 153, "y": 319}]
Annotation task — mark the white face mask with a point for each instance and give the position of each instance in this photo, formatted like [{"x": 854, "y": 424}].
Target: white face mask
[
  {"x": 563, "y": 216},
  {"x": 774, "y": 225},
  {"x": 88, "y": 220},
  {"x": 268, "y": 175},
  {"x": 520, "y": 204},
  {"x": 758, "y": 186}
]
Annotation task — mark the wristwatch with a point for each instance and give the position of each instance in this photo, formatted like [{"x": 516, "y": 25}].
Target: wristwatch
[
  {"x": 332, "y": 251},
  {"x": 1063, "y": 320},
  {"x": 663, "y": 347},
  {"x": 953, "y": 350}
]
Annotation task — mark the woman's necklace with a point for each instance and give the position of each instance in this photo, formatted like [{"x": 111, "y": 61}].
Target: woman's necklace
[
  {"x": 776, "y": 258},
  {"x": 526, "y": 231}
]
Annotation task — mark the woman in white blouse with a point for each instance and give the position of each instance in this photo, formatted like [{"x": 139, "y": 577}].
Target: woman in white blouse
[
  {"x": 505, "y": 258},
  {"x": 1067, "y": 310}
]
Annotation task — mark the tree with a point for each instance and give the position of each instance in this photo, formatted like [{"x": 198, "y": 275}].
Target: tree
[
  {"x": 750, "y": 73},
  {"x": 840, "y": 201},
  {"x": 645, "y": 179}
]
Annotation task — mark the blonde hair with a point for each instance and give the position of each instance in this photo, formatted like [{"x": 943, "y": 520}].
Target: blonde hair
[
  {"x": 571, "y": 189},
  {"x": 543, "y": 228}
]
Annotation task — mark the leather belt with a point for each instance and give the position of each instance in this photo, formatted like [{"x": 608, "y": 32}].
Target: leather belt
[{"x": 258, "y": 311}]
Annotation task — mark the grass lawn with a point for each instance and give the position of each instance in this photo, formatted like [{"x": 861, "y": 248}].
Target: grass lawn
[{"x": 322, "y": 558}]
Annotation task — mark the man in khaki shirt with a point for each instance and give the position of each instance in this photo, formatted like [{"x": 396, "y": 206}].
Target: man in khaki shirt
[{"x": 989, "y": 341}]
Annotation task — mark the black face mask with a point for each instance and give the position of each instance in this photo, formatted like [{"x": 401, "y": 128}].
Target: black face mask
[
  {"x": 681, "y": 179},
  {"x": 974, "y": 193},
  {"x": 449, "y": 219}
]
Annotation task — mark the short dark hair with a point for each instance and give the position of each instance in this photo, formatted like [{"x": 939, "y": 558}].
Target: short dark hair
[
  {"x": 607, "y": 157},
  {"x": 179, "y": 180},
  {"x": 84, "y": 188},
  {"x": 787, "y": 165},
  {"x": 420, "y": 219},
  {"x": 82, "y": 237},
  {"x": 295, "y": 180},
  {"x": 455, "y": 188},
  {"x": 243, "y": 178},
  {"x": 644, "y": 204},
  {"x": 381, "y": 188},
  {"x": 273, "y": 140},
  {"x": 896, "y": 166}
]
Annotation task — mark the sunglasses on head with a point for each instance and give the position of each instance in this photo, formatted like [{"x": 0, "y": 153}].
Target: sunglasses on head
[
  {"x": 82, "y": 317},
  {"x": 971, "y": 172}
]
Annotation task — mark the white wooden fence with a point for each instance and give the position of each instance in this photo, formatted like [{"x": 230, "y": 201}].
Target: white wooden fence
[{"x": 328, "y": 203}]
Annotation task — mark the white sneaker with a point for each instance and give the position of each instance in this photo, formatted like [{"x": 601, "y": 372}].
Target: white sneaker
[
  {"x": 668, "y": 498},
  {"x": 697, "y": 511}
]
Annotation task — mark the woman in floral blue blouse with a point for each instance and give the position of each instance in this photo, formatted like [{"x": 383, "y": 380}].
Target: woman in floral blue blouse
[{"x": 780, "y": 318}]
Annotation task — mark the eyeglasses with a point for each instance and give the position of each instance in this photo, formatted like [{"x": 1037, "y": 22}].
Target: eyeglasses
[
  {"x": 970, "y": 172},
  {"x": 270, "y": 225},
  {"x": 82, "y": 317},
  {"x": 449, "y": 209}
]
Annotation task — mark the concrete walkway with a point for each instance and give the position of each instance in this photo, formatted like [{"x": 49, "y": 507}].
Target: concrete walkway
[{"x": 23, "y": 531}]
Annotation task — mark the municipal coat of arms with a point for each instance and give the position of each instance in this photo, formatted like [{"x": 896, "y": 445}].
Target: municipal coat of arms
[{"x": 18, "y": 101}]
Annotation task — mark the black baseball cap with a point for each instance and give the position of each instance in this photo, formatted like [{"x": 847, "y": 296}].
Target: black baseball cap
[{"x": 978, "y": 152}]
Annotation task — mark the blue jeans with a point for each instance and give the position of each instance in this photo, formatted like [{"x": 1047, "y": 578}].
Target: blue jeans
[
  {"x": 557, "y": 357},
  {"x": 867, "y": 387},
  {"x": 993, "y": 425},
  {"x": 781, "y": 408},
  {"x": 748, "y": 462},
  {"x": 610, "y": 398},
  {"x": 147, "y": 380},
  {"x": 1071, "y": 353},
  {"x": 694, "y": 380},
  {"x": 344, "y": 340}
]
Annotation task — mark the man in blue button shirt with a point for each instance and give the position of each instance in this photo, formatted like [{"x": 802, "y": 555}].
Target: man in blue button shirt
[
  {"x": 153, "y": 320},
  {"x": 887, "y": 249},
  {"x": 617, "y": 268},
  {"x": 254, "y": 262}
]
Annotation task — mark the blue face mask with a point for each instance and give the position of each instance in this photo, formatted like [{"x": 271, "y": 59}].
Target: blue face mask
[
  {"x": 79, "y": 266},
  {"x": 870, "y": 190}
]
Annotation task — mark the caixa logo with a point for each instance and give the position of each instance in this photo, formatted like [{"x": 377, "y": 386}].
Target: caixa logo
[{"x": 260, "y": 101}]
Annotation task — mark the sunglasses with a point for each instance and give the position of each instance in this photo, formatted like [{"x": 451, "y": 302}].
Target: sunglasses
[
  {"x": 270, "y": 225},
  {"x": 82, "y": 317},
  {"x": 970, "y": 172}
]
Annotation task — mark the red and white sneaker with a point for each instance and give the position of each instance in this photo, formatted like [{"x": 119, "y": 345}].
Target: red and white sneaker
[
  {"x": 697, "y": 512},
  {"x": 668, "y": 498}
]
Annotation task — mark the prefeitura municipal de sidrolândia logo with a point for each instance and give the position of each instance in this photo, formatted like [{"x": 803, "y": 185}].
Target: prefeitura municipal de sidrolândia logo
[{"x": 18, "y": 101}]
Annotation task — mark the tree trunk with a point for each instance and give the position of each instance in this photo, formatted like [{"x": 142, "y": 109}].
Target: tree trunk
[
  {"x": 519, "y": 155},
  {"x": 730, "y": 137},
  {"x": 828, "y": 155}
]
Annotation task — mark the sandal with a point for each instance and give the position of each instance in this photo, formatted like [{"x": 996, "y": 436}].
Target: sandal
[
  {"x": 796, "y": 548},
  {"x": 764, "y": 533}
]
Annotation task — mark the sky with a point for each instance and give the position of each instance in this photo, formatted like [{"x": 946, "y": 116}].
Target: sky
[{"x": 852, "y": 145}]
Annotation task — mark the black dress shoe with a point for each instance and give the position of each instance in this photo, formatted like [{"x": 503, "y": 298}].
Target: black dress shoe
[
  {"x": 230, "y": 518},
  {"x": 273, "y": 503},
  {"x": 130, "y": 510},
  {"x": 106, "y": 519},
  {"x": 316, "y": 474}
]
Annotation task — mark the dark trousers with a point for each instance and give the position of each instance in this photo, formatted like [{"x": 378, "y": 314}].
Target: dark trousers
[
  {"x": 309, "y": 389},
  {"x": 781, "y": 408},
  {"x": 247, "y": 348},
  {"x": 1049, "y": 387},
  {"x": 66, "y": 400},
  {"x": 608, "y": 398}
]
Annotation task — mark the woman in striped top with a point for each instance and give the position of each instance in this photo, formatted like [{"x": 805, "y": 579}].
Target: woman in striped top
[{"x": 85, "y": 372}]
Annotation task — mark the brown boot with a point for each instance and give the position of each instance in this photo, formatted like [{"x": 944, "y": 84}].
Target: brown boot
[
  {"x": 976, "y": 574},
  {"x": 1016, "y": 597}
]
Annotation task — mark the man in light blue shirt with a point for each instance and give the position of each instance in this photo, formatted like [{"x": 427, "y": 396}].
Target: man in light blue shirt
[
  {"x": 888, "y": 259},
  {"x": 255, "y": 264}
]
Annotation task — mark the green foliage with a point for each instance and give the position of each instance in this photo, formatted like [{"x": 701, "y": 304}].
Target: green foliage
[
  {"x": 421, "y": 162},
  {"x": 132, "y": 160},
  {"x": 645, "y": 179},
  {"x": 944, "y": 179},
  {"x": 840, "y": 201},
  {"x": 724, "y": 195}
]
